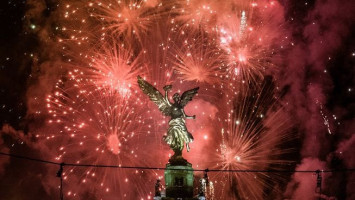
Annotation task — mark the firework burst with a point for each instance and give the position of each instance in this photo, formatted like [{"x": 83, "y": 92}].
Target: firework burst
[
  {"x": 195, "y": 13},
  {"x": 200, "y": 63},
  {"x": 92, "y": 126},
  {"x": 250, "y": 41},
  {"x": 256, "y": 127},
  {"x": 115, "y": 68},
  {"x": 129, "y": 19}
]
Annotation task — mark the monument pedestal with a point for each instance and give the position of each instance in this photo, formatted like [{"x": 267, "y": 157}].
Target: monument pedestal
[{"x": 179, "y": 179}]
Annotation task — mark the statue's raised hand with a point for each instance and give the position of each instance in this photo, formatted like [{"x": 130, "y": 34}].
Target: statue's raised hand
[{"x": 167, "y": 87}]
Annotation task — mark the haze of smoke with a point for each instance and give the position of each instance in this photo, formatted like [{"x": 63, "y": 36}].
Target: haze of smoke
[{"x": 309, "y": 80}]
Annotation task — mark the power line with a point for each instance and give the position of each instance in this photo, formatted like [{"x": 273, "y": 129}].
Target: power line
[
  {"x": 62, "y": 164},
  {"x": 28, "y": 158}
]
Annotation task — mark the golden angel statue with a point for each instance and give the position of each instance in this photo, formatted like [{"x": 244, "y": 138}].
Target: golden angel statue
[{"x": 177, "y": 133}]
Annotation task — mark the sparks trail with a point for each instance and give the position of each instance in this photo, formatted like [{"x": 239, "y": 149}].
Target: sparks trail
[
  {"x": 254, "y": 129},
  {"x": 250, "y": 45}
]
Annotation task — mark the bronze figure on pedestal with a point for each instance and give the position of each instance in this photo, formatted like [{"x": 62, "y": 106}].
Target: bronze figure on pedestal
[{"x": 177, "y": 133}]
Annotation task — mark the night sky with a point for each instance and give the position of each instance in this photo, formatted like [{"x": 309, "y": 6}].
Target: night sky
[{"x": 314, "y": 80}]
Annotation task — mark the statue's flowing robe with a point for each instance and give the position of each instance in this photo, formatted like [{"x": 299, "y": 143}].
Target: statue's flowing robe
[{"x": 177, "y": 134}]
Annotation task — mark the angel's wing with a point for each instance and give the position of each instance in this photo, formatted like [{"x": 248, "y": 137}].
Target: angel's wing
[
  {"x": 187, "y": 96},
  {"x": 155, "y": 96}
]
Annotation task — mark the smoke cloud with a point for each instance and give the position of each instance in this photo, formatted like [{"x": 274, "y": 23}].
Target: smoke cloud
[{"x": 307, "y": 73}]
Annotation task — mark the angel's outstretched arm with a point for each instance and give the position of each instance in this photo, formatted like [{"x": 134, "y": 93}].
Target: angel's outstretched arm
[
  {"x": 188, "y": 117},
  {"x": 167, "y": 96},
  {"x": 167, "y": 88}
]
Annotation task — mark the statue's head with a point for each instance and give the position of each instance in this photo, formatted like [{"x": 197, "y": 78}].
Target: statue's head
[{"x": 176, "y": 97}]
